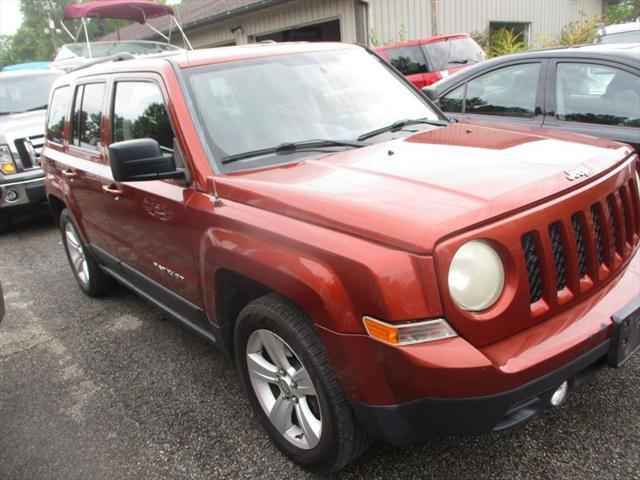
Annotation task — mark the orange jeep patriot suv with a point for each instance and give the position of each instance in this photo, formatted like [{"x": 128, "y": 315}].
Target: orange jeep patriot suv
[{"x": 374, "y": 269}]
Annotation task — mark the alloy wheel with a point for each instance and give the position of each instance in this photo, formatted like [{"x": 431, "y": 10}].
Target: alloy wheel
[
  {"x": 76, "y": 254},
  {"x": 284, "y": 389}
]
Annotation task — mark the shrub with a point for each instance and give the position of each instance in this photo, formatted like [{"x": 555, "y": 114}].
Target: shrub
[{"x": 504, "y": 42}]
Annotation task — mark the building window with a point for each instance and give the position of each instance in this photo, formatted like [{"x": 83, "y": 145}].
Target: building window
[{"x": 521, "y": 29}]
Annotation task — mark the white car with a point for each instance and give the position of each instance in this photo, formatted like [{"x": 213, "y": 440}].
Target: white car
[{"x": 621, "y": 33}]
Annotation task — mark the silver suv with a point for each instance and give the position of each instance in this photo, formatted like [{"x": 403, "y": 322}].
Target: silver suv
[{"x": 24, "y": 95}]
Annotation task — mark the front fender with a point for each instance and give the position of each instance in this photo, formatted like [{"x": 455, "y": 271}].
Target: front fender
[{"x": 334, "y": 277}]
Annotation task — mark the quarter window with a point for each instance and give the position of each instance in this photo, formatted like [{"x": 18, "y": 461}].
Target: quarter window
[
  {"x": 139, "y": 112},
  {"x": 591, "y": 93},
  {"x": 57, "y": 114},
  {"x": 87, "y": 115},
  {"x": 452, "y": 101},
  {"x": 508, "y": 91},
  {"x": 408, "y": 60}
]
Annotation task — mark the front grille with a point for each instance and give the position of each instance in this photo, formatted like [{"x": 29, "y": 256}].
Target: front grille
[
  {"x": 612, "y": 224},
  {"x": 590, "y": 241},
  {"x": 534, "y": 272},
  {"x": 558, "y": 255},
  {"x": 581, "y": 249},
  {"x": 37, "y": 141},
  {"x": 597, "y": 229}
]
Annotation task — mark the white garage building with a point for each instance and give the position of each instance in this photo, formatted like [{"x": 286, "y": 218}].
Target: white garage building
[{"x": 210, "y": 23}]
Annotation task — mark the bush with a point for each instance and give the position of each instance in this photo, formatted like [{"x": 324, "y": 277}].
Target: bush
[
  {"x": 621, "y": 12},
  {"x": 504, "y": 42}
]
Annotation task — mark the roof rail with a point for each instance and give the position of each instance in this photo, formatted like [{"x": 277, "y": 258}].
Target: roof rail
[{"x": 118, "y": 57}]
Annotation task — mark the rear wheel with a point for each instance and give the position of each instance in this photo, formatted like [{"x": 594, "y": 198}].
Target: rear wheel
[
  {"x": 93, "y": 281},
  {"x": 293, "y": 388}
]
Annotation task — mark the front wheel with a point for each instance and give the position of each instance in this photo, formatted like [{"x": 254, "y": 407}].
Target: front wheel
[
  {"x": 293, "y": 388},
  {"x": 93, "y": 281}
]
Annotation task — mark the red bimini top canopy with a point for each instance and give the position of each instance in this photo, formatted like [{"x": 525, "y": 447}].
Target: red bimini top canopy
[{"x": 137, "y": 11}]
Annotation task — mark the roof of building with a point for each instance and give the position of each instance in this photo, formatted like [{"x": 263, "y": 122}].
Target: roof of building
[{"x": 191, "y": 15}]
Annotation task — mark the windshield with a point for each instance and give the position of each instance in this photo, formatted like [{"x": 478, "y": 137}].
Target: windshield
[
  {"x": 104, "y": 49},
  {"x": 25, "y": 92},
  {"x": 632, "y": 36},
  {"x": 451, "y": 53},
  {"x": 258, "y": 104}
]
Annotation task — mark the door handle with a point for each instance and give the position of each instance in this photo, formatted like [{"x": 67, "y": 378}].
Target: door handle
[
  {"x": 68, "y": 172},
  {"x": 112, "y": 190}
]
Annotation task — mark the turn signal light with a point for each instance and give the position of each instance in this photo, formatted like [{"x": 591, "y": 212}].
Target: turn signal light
[
  {"x": 408, "y": 333},
  {"x": 7, "y": 168}
]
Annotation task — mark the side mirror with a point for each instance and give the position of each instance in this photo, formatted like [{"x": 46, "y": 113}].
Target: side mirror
[
  {"x": 431, "y": 94},
  {"x": 141, "y": 159}
]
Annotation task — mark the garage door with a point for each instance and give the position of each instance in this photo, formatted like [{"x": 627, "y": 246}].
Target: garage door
[{"x": 318, "y": 32}]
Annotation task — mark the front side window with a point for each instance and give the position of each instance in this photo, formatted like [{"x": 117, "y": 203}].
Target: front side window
[
  {"x": 508, "y": 91},
  {"x": 408, "y": 60},
  {"x": 336, "y": 94},
  {"x": 87, "y": 115},
  {"x": 139, "y": 112},
  {"x": 57, "y": 114},
  {"x": 591, "y": 93}
]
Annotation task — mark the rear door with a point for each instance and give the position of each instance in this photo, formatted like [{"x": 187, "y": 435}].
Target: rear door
[
  {"x": 80, "y": 162},
  {"x": 508, "y": 93},
  {"x": 146, "y": 221},
  {"x": 591, "y": 97}
]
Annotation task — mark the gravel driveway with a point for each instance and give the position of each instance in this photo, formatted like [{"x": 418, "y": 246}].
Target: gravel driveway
[{"x": 112, "y": 388}]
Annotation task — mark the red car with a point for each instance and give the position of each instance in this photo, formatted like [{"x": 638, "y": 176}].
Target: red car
[
  {"x": 372, "y": 268},
  {"x": 428, "y": 60}
]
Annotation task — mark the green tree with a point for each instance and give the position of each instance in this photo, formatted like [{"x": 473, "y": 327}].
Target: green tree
[{"x": 621, "y": 11}]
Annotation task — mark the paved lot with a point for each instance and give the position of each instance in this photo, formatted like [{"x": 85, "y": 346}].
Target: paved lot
[{"x": 110, "y": 389}]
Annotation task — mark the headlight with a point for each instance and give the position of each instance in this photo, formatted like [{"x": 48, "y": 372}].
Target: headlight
[
  {"x": 6, "y": 160},
  {"x": 476, "y": 276}
]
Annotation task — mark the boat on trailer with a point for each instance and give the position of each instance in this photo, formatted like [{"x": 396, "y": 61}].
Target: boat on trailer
[{"x": 78, "y": 53}]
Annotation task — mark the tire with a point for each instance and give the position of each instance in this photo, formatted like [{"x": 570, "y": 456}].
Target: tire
[
  {"x": 91, "y": 279},
  {"x": 332, "y": 437},
  {"x": 6, "y": 223}
]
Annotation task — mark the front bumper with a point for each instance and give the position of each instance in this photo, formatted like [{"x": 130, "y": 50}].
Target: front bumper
[
  {"x": 27, "y": 191},
  {"x": 406, "y": 394},
  {"x": 414, "y": 422}
]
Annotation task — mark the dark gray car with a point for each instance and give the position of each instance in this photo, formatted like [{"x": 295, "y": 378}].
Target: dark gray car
[{"x": 593, "y": 90}]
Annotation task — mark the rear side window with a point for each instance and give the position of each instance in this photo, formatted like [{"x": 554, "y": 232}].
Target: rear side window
[
  {"x": 453, "y": 53},
  {"x": 57, "y": 113},
  {"x": 591, "y": 93},
  {"x": 139, "y": 112},
  {"x": 87, "y": 115},
  {"x": 408, "y": 60}
]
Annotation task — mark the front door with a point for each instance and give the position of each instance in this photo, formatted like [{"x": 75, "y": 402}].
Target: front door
[
  {"x": 507, "y": 94},
  {"x": 147, "y": 220}
]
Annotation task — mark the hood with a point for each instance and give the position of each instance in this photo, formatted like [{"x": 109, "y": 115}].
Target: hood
[
  {"x": 21, "y": 125},
  {"x": 411, "y": 192}
]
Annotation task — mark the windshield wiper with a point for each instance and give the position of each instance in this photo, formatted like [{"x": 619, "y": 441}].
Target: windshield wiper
[
  {"x": 400, "y": 124},
  {"x": 290, "y": 147},
  {"x": 462, "y": 62},
  {"x": 40, "y": 107}
]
